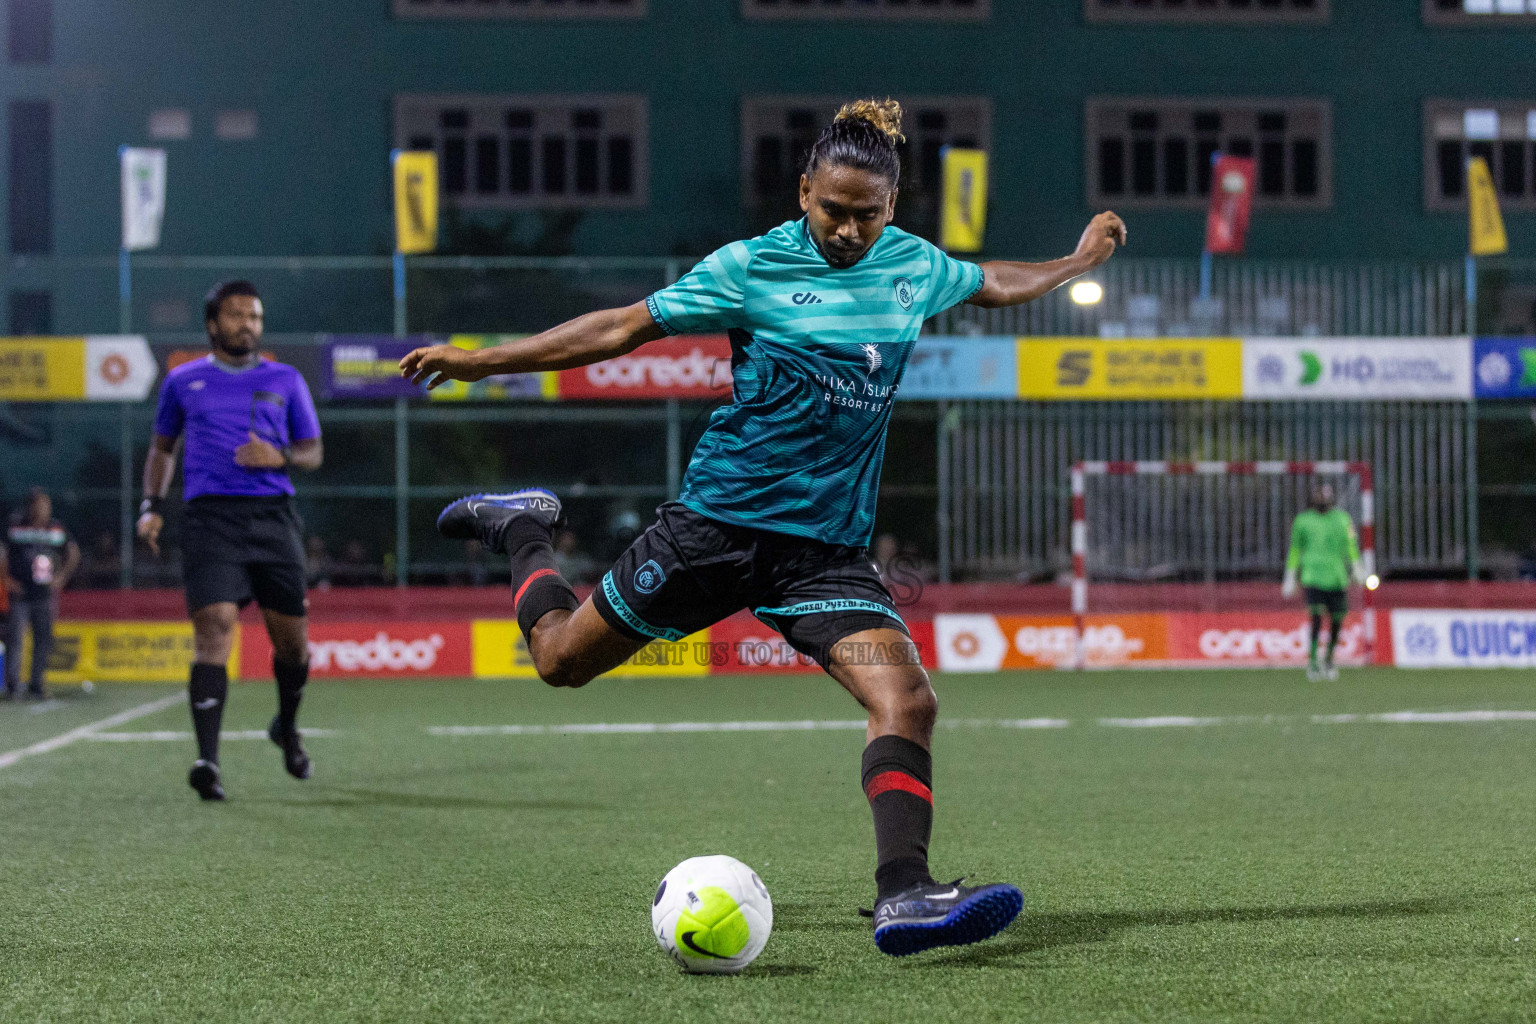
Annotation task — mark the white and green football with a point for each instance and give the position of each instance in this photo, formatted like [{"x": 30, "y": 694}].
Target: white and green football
[{"x": 712, "y": 915}]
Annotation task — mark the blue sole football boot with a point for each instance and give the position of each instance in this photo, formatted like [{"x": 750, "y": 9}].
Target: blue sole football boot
[
  {"x": 485, "y": 517},
  {"x": 932, "y": 915}
]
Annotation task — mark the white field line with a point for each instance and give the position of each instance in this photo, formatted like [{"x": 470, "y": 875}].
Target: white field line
[
  {"x": 64, "y": 739},
  {"x": 1156, "y": 722},
  {"x": 170, "y": 735}
]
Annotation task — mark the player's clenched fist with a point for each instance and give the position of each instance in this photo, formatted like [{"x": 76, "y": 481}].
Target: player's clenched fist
[
  {"x": 438, "y": 363},
  {"x": 1101, "y": 236}
]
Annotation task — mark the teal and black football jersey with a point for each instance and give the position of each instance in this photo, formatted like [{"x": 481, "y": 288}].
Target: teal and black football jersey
[{"x": 817, "y": 354}]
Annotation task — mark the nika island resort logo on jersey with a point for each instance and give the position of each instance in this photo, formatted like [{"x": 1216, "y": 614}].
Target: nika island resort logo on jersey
[{"x": 871, "y": 356}]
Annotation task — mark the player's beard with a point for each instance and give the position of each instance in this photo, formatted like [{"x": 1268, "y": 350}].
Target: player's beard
[{"x": 239, "y": 347}]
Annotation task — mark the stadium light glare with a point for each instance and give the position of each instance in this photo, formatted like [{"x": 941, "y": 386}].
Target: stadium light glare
[
  {"x": 1087, "y": 293},
  {"x": 1372, "y": 581}
]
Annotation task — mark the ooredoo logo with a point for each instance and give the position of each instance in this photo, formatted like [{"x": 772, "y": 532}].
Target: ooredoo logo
[
  {"x": 1267, "y": 644},
  {"x": 383, "y": 653},
  {"x": 696, "y": 369}
]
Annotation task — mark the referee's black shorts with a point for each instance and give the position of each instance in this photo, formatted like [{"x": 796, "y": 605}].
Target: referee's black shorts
[{"x": 240, "y": 549}]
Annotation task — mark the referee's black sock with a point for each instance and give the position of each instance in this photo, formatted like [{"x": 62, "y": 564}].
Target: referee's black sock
[
  {"x": 897, "y": 778},
  {"x": 291, "y": 677},
  {"x": 207, "y": 691},
  {"x": 537, "y": 586}
]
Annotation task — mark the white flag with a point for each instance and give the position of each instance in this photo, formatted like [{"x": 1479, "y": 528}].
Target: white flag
[{"x": 143, "y": 197}]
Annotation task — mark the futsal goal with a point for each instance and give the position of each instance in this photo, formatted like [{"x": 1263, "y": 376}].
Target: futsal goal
[{"x": 1200, "y": 547}]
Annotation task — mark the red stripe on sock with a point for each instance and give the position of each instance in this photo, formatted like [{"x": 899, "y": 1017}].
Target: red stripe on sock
[
  {"x": 887, "y": 781},
  {"x": 517, "y": 598}
]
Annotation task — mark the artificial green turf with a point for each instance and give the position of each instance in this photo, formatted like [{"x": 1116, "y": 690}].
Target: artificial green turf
[{"x": 1277, "y": 870}]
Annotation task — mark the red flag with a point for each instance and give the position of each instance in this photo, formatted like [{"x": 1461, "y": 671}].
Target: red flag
[{"x": 1226, "y": 226}]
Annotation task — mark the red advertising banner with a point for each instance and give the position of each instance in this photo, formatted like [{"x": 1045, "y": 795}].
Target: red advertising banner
[
  {"x": 1254, "y": 638},
  {"x": 1226, "y": 225},
  {"x": 363, "y": 650},
  {"x": 691, "y": 366}
]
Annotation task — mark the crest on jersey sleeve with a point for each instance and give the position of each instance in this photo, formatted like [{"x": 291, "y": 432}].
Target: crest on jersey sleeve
[
  {"x": 648, "y": 577},
  {"x": 903, "y": 287}
]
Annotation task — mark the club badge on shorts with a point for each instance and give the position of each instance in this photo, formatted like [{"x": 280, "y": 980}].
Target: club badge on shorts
[
  {"x": 903, "y": 292},
  {"x": 648, "y": 577}
]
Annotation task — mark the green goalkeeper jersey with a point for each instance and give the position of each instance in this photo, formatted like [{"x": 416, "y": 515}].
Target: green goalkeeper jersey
[{"x": 1323, "y": 547}]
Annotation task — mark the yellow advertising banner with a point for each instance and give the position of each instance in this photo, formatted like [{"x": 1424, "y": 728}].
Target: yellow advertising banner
[
  {"x": 123, "y": 652},
  {"x": 42, "y": 369},
  {"x": 415, "y": 176},
  {"x": 500, "y": 653},
  {"x": 544, "y": 384},
  {"x": 1130, "y": 369},
  {"x": 965, "y": 199},
  {"x": 1487, "y": 227}
]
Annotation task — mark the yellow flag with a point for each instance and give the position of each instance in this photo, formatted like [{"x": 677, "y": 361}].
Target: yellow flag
[
  {"x": 415, "y": 201},
  {"x": 965, "y": 199},
  {"x": 1488, "y": 238}
]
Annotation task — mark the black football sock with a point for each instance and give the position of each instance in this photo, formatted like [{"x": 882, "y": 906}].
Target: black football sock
[
  {"x": 898, "y": 775},
  {"x": 291, "y": 678},
  {"x": 207, "y": 691},
  {"x": 1334, "y": 628},
  {"x": 537, "y": 586},
  {"x": 1316, "y": 630}
]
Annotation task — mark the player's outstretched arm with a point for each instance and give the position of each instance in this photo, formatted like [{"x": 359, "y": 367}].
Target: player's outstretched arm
[
  {"x": 590, "y": 338},
  {"x": 1010, "y": 284}
]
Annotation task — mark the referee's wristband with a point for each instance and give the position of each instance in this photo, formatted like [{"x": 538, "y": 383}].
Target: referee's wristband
[{"x": 152, "y": 505}]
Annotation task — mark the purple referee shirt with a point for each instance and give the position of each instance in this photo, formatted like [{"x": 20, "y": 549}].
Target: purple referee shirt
[{"x": 219, "y": 406}]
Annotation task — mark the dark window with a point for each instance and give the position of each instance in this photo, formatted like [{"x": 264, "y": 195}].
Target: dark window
[
  {"x": 1449, "y": 156},
  {"x": 1203, "y": 10},
  {"x": 31, "y": 177},
  {"x": 31, "y": 312},
  {"x": 586, "y": 166},
  {"x": 420, "y": 143},
  {"x": 520, "y": 165},
  {"x": 1175, "y": 166},
  {"x": 1112, "y": 167},
  {"x": 455, "y": 169},
  {"x": 1240, "y": 147},
  {"x": 621, "y": 166},
  {"x": 1272, "y": 167},
  {"x": 520, "y": 120},
  {"x": 768, "y": 164},
  {"x": 554, "y": 164},
  {"x": 30, "y": 23},
  {"x": 1512, "y": 173},
  {"x": 587, "y": 119},
  {"x": 1304, "y": 170},
  {"x": 487, "y": 165},
  {"x": 1205, "y": 154}
]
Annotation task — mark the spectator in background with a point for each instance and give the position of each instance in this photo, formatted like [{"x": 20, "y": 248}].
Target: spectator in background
[
  {"x": 40, "y": 558},
  {"x": 317, "y": 564},
  {"x": 101, "y": 569},
  {"x": 353, "y": 569},
  {"x": 573, "y": 563}
]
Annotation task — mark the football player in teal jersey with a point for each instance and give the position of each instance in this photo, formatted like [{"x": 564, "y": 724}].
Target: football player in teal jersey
[{"x": 778, "y": 503}]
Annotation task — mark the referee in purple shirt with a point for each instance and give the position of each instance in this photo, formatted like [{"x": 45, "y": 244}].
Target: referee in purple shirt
[{"x": 246, "y": 420}]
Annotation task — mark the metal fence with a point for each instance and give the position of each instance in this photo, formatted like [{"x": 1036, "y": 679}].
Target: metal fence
[
  {"x": 1005, "y": 508},
  {"x": 500, "y": 294},
  {"x": 1162, "y": 298}
]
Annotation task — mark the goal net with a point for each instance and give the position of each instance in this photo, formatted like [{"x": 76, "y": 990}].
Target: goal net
[{"x": 1201, "y": 547}]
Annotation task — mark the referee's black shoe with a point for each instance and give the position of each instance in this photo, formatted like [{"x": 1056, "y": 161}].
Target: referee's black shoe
[
  {"x": 204, "y": 777},
  {"x": 294, "y": 758},
  {"x": 486, "y": 517}
]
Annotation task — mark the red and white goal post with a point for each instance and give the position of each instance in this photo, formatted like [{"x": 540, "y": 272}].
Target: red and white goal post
[{"x": 1081, "y": 471}]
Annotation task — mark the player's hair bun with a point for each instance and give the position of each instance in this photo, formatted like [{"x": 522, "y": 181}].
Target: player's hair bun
[{"x": 883, "y": 114}]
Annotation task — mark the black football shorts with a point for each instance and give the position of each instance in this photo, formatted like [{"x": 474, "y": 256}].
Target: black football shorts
[
  {"x": 1334, "y": 602},
  {"x": 689, "y": 571},
  {"x": 242, "y": 549}
]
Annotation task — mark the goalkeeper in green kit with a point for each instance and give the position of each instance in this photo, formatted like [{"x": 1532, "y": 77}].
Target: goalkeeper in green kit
[{"x": 1325, "y": 556}]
